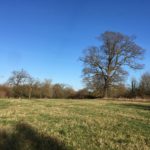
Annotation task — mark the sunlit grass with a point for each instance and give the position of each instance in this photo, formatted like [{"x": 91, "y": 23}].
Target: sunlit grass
[{"x": 77, "y": 124}]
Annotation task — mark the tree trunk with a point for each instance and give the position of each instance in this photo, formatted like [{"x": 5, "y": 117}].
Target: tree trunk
[
  {"x": 106, "y": 89},
  {"x": 105, "y": 92},
  {"x": 30, "y": 92}
]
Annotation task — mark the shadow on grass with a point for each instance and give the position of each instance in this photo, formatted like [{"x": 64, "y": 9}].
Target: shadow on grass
[
  {"x": 136, "y": 106},
  {"x": 24, "y": 137}
]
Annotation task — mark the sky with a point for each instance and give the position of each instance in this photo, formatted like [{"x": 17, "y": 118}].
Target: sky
[{"x": 47, "y": 37}]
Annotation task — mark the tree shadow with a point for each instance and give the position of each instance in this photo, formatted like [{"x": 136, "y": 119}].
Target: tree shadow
[
  {"x": 25, "y": 137},
  {"x": 137, "y": 106}
]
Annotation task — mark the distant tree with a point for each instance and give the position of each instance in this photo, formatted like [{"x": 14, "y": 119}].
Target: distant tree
[
  {"x": 37, "y": 89},
  {"x": 118, "y": 91},
  {"x": 145, "y": 85},
  {"x": 5, "y": 91},
  {"x": 30, "y": 86},
  {"x": 69, "y": 92},
  {"x": 17, "y": 80},
  {"x": 134, "y": 88},
  {"x": 106, "y": 63},
  {"x": 58, "y": 91},
  {"x": 47, "y": 89},
  {"x": 18, "y": 77},
  {"x": 95, "y": 84}
]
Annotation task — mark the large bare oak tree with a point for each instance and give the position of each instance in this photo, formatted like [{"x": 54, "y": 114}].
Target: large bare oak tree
[{"x": 105, "y": 65}]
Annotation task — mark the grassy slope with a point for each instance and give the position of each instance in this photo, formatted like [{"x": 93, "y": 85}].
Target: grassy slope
[{"x": 70, "y": 124}]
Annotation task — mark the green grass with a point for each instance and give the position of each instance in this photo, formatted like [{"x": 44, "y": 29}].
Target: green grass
[{"x": 74, "y": 124}]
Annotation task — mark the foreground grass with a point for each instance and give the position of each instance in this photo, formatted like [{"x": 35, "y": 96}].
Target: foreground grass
[{"x": 74, "y": 124}]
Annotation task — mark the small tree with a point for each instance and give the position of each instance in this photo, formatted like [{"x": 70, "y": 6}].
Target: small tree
[
  {"x": 106, "y": 63},
  {"x": 17, "y": 80},
  {"x": 47, "y": 89},
  {"x": 134, "y": 87},
  {"x": 37, "y": 89},
  {"x": 30, "y": 86},
  {"x": 69, "y": 92},
  {"x": 145, "y": 85},
  {"x": 58, "y": 91}
]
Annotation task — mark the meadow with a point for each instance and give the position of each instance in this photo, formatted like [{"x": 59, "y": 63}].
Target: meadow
[{"x": 74, "y": 125}]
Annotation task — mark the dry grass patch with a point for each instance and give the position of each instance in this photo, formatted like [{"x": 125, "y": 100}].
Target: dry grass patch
[{"x": 79, "y": 124}]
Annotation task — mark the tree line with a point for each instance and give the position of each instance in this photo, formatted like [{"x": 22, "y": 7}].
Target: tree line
[{"x": 21, "y": 85}]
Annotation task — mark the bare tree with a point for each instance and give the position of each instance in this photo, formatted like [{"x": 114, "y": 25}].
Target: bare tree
[
  {"x": 106, "y": 62},
  {"x": 95, "y": 84},
  {"x": 134, "y": 87},
  {"x": 18, "y": 77},
  {"x": 37, "y": 89},
  {"x": 47, "y": 89},
  {"x": 58, "y": 91},
  {"x": 30, "y": 84},
  {"x": 145, "y": 84},
  {"x": 69, "y": 92},
  {"x": 17, "y": 80}
]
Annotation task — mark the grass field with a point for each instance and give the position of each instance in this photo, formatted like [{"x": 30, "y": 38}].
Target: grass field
[{"x": 74, "y": 124}]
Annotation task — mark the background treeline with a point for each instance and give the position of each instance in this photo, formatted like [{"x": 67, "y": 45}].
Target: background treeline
[
  {"x": 22, "y": 85},
  {"x": 136, "y": 89}
]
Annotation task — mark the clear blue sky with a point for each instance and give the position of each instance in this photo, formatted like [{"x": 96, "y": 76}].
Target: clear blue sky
[{"x": 46, "y": 37}]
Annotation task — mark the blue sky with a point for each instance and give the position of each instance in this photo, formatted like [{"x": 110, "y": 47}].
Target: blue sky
[{"x": 46, "y": 37}]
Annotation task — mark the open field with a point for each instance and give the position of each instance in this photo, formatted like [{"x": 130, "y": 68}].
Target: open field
[{"x": 74, "y": 124}]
